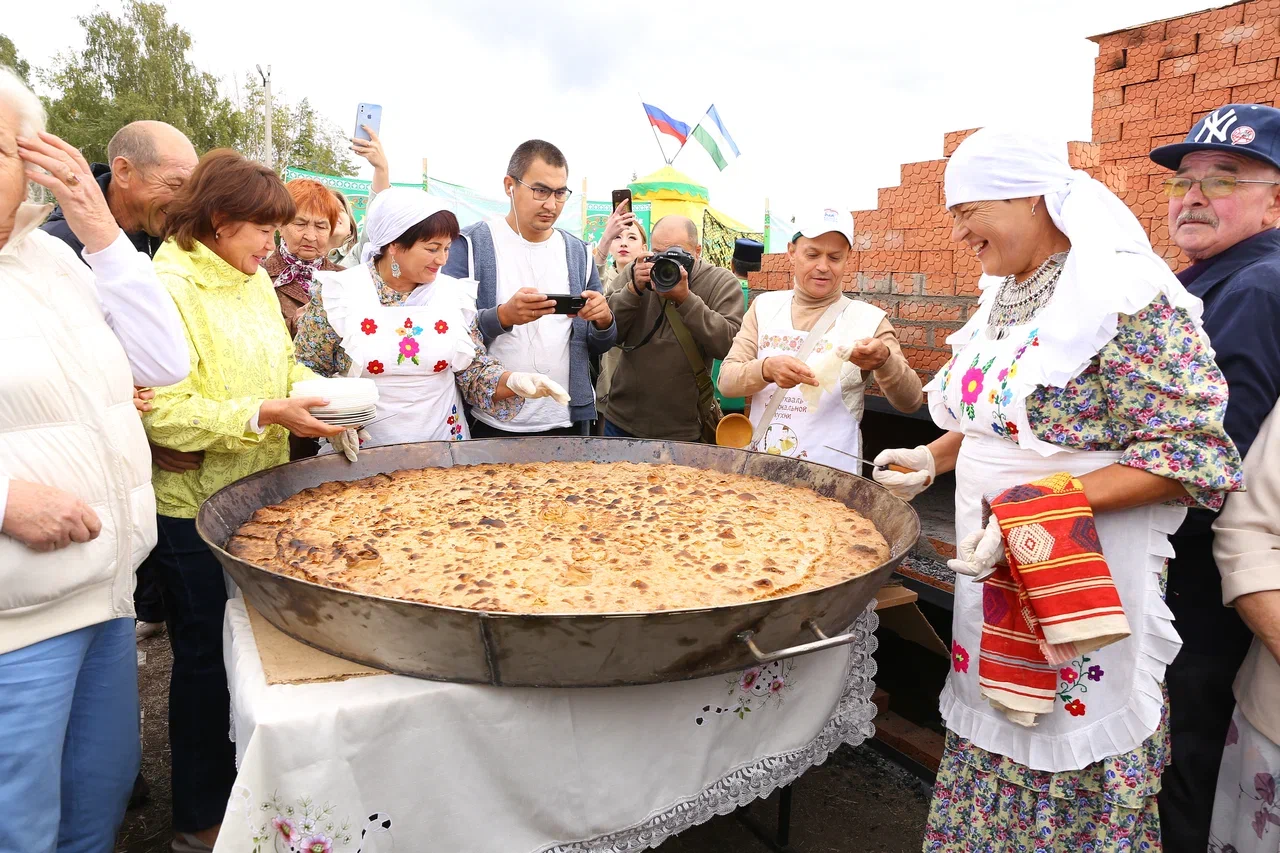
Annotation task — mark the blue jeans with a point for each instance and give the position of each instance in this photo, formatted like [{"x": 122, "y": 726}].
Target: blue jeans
[
  {"x": 69, "y": 748},
  {"x": 612, "y": 430}
]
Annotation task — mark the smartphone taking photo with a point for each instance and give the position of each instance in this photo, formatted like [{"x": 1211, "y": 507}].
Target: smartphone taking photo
[
  {"x": 368, "y": 114},
  {"x": 621, "y": 197}
]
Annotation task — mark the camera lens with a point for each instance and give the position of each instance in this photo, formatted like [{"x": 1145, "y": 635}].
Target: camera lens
[{"x": 665, "y": 274}]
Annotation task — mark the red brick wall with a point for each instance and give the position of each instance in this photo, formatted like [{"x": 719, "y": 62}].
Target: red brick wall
[{"x": 1151, "y": 84}]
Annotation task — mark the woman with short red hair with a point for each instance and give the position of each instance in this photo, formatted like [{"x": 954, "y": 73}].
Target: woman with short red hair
[
  {"x": 304, "y": 244},
  {"x": 234, "y": 406}
]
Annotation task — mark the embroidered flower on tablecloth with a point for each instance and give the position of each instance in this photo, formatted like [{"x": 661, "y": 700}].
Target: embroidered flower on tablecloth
[
  {"x": 753, "y": 690},
  {"x": 375, "y": 367},
  {"x": 284, "y": 826},
  {"x": 1075, "y": 708},
  {"x": 441, "y": 327},
  {"x": 959, "y": 658},
  {"x": 440, "y": 365},
  {"x": 368, "y": 326},
  {"x": 316, "y": 844},
  {"x": 1095, "y": 673},
  {"x": 1068, "y": 675}
]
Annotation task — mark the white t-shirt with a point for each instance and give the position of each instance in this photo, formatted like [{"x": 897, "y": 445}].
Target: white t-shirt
[{"x": 543, "y": 345}]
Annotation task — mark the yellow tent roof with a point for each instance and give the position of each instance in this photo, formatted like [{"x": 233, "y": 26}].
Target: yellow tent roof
[{"x": 668, "y": 183}]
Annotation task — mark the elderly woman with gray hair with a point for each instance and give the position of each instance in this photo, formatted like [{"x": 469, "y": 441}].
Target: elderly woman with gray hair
[
  {"x": 77, "y": 513},
  {"x": 1083, "y": 412}
]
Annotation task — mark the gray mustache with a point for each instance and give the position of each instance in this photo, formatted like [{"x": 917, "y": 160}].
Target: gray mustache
[{"x": 1198, "y": 216}]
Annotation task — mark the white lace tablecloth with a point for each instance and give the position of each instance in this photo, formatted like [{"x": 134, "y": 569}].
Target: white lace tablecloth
[{"x": 389, "y": 763}]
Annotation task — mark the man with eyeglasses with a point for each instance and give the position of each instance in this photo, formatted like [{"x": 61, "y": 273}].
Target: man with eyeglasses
[
  {"x": 1224, "y": 207},
  {"x": 518, "y": 261}
]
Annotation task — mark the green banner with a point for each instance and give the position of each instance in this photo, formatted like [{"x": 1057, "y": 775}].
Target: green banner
[{"x": 598, "y": 214}]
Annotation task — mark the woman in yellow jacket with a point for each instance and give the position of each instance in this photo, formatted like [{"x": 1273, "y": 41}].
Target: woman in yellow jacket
[{"x": 234, "y": 407}]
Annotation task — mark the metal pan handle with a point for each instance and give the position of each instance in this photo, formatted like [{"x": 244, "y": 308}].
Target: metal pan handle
[{"x": 823, "y": 642}]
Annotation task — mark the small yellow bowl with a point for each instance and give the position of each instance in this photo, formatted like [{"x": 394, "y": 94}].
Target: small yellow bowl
[{"x": 734, "y": 430}]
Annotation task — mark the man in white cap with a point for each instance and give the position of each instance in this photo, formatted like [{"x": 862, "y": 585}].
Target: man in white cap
[{"x": 819, "y": 348}]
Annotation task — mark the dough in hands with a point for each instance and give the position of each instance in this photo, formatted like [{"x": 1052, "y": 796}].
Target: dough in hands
[{"x": 826, "y": 368}]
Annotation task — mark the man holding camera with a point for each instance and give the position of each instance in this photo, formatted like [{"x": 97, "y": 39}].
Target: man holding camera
[{"x": 654, "y": 392}]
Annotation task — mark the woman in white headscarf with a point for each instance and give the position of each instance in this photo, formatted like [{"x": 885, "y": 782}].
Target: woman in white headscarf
[
  {"x": 1086, "y": 357},
  {"x": 396, "y": 319}
]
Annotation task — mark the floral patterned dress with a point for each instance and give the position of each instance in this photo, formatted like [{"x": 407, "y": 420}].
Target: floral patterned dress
[{"x": 1152, "y": 396}]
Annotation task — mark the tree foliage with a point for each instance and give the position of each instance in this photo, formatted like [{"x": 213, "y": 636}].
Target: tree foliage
[
  {"x": 138, "y": 66},
  {"x": 9, "y": 56}
]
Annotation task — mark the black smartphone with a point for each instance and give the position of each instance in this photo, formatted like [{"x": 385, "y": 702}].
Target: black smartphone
[
  {"x": 566, "y": 304},
  {"x": 621, "y": 196}
]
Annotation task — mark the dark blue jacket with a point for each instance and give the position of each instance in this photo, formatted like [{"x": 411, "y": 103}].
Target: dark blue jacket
[
  {"x": 1241, "y": 292},
  {"x": 57, "y": 225}
]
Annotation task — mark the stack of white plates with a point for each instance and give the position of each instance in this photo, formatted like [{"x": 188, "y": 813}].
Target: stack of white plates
[{"x": 352, "y": 402}]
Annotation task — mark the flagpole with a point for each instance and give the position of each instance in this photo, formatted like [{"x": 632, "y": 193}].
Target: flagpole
[
  {"x": 655, "y": 131},
  {"x": 690, "y": 136}
]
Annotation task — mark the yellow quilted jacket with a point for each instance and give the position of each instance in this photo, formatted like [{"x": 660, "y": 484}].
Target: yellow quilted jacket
[{"x": 241, "y": 355}]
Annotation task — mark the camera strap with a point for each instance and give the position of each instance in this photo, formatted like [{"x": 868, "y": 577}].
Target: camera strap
[
  {"x": 709, "y": 413},
  {"x": 825, "y": 322}
]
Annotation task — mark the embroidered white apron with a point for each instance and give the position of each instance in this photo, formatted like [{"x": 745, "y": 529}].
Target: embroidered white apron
[
  {"x": 411, "y": 351},
  {"x": 795, "y": 430},
  {"x": 1110, "y": 700}
]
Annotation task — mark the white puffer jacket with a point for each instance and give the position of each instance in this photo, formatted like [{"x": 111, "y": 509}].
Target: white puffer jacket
[{"x": 67, "y": 420}]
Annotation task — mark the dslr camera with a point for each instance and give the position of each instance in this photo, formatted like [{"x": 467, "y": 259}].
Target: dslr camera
[{"x": 665, "y": 275}]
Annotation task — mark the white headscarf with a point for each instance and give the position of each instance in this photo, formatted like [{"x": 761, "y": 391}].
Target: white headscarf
[
  {"x": 1111, "y": 269},
  {"x": 393, "y": 212}
]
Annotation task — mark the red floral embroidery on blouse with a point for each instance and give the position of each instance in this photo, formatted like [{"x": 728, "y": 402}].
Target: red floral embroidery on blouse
[
  {"x": 441, "y": 327},
  {"x": 441, "y": 365},
  {"x": 368, "y": 326},
  {"x": 408, "y": 323},
  {"x": 375, "y": 367}
]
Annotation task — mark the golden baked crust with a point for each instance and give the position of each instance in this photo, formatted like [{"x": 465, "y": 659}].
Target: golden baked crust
[{"x": 563, "y": 537}]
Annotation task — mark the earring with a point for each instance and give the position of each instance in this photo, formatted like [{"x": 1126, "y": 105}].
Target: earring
[{"x": 395, "y": 269}]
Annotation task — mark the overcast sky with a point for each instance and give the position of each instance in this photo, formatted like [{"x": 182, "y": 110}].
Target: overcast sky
[{"x": 824, "y": 98}]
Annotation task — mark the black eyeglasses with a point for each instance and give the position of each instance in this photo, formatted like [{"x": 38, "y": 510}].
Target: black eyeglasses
[
  {"x": 1216, "y": 186},
  {"x": 544, "y": 193}
]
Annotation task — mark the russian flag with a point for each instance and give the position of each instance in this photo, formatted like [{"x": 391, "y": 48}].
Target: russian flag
[{"x": 666, "y": 123}]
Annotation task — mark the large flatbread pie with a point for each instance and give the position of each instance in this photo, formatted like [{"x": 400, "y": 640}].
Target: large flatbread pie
[{"x": 563, "y": 537}]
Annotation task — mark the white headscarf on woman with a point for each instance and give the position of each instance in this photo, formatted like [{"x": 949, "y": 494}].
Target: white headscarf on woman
[
  {"x": 393, "y": 212},
  {"x": 1110, "y": 270}
]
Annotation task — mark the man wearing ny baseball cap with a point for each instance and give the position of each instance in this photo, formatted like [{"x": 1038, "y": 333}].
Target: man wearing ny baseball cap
[
  {"x": 822, "y": 394},
  {"x": 1224, "y": 207}
]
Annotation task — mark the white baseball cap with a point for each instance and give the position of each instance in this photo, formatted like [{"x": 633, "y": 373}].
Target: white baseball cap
[{"x": 826, "y": 221}]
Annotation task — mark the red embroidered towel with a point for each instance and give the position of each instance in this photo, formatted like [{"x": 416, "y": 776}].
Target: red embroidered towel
[{"x": 1056, "y": 589}]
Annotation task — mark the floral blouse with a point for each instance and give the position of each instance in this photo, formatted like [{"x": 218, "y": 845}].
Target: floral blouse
[
  {"x": 319, "y": 347},
  {"x": 1152, "y": 393}
]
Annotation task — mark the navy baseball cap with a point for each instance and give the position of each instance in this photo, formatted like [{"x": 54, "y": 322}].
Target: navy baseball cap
[{"x": 1249, "y": 129}]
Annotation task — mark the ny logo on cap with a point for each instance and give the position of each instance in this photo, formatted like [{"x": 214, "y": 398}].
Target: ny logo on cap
[{"x": 1216, "y": 125}]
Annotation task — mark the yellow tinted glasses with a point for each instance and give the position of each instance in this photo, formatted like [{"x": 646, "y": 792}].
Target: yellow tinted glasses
[{"x": 1216, "y": 186}]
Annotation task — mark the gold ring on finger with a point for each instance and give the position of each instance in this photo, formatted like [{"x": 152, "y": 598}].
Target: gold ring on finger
[{"x": 72, "y": 179}]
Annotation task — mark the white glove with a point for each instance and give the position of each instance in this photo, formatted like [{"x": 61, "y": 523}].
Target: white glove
[
  {"x": 979, "y": 552},
  {"x": 905, "y": 486},
  {"x": 531, "y": 386},
  {"x": 348, "y": 443}
]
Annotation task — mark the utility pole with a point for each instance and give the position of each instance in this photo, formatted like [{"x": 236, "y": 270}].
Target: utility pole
[{"x": 266, "y": 85}]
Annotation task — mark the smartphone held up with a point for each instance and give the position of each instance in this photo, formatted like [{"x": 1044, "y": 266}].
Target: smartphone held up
[{"x": 368, "y": 115}]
